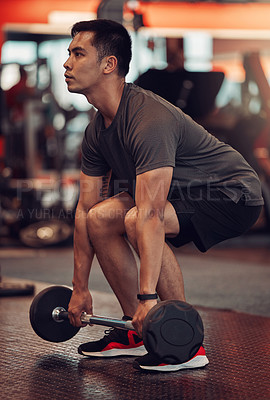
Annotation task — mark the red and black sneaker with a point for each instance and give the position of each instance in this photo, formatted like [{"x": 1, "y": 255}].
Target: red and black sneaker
[
  {"x": 150, "y": 363},
  {"x": 116, "y": 342}
]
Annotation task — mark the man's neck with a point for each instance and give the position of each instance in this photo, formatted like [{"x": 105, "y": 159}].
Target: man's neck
[{"x": 107, "y": 101}]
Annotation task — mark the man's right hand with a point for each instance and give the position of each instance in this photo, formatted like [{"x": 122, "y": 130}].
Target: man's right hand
[{"x": 81, "y": 301}]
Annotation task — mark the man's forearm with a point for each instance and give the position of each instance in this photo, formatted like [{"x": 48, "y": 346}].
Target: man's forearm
[
  {"x": 150, "y": 239},
  {"x": 83, "y": 252}
]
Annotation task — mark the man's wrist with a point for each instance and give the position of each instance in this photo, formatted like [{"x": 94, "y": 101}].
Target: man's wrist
[
  {"x": 148, "y": 296},
  {"x": 80, "y": 286}
]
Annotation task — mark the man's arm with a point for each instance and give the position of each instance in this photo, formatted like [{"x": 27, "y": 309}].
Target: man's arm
[
  {"x": 92, "y": 191},
  {"x": 152, "y": 189}
]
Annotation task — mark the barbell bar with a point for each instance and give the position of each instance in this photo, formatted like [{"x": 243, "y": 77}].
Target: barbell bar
[{"x": 59, "y": 314}]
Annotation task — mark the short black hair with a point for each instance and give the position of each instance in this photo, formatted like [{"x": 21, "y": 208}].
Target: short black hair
[{"x": 110, "y": 38}]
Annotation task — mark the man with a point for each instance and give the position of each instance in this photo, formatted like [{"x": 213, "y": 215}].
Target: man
[{"x": 181, "y": 185}]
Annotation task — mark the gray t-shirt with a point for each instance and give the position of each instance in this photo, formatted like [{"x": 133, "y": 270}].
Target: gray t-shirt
[{"x": 148, "y": 133}]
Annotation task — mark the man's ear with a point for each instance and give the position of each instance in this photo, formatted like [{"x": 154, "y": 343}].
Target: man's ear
[{"x": 111, "y": 64}]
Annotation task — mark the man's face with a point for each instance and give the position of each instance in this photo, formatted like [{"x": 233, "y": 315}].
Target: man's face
[{"x": 83, "y": 71}]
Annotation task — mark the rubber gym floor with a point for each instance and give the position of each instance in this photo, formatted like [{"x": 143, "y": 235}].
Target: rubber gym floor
[{"x": 229, "y": 287}]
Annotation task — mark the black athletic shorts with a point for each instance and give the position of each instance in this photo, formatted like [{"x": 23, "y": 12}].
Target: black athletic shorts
[{"x": 209, "y": 217}]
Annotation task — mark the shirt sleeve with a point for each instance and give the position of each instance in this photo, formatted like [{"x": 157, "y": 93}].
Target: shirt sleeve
[{"x": 93, "y": 163}]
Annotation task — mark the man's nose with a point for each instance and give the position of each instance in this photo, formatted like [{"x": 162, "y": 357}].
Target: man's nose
[{"x": 66, "y": 65}]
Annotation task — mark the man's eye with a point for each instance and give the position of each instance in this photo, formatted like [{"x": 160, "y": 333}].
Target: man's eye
[{"x": 78, "y": 54}]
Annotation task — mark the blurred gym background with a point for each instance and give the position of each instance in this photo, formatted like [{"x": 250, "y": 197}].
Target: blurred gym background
[{"x": 212, "y": 59}]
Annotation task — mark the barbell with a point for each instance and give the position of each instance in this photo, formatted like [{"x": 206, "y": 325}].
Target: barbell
[{"x": 172, "y": 330}]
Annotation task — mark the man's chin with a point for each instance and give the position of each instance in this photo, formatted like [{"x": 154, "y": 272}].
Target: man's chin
[{"x": 72, "y": 89}]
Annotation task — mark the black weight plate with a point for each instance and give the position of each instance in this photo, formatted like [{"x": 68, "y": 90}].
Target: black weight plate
[
  {"x": 41, "y": 314},
  {"x": 173, "y": 331}
]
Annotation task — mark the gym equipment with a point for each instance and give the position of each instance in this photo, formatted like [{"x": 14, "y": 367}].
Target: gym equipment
[
  {"x": 8, "y": 289},
  {"x": 13, "y": 288},
  {"x": 172, "y": 330},
  {"x": 45, "y": 233}
]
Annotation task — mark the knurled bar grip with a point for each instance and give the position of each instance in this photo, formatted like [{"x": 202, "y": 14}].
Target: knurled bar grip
[{"x": 103, "y": 321}]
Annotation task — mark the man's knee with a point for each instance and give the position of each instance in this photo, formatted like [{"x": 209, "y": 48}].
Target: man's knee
[
  {"x": 104, "y": 217},
  {"x": 98, "y": 217},
  {"x": 130, "y": 222}
]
